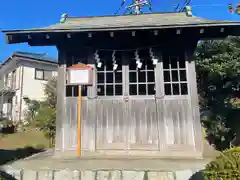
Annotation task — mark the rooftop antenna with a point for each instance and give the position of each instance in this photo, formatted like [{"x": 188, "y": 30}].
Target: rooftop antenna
[{"x": 136, "y": 6}]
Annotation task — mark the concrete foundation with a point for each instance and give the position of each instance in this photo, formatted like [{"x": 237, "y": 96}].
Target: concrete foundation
[
  {"x": 103, "y": 175},
  {"x": 44, "y": 166}
]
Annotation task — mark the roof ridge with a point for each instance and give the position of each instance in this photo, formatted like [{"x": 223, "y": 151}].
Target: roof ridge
[
  {"x": 144, "y": 14},
  {"x": 42, "y": 56},
  {"x": 29, "y": 53},
  {"x": 39, "y": 55}
]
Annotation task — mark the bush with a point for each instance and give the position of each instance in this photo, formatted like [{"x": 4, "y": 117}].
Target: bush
[
  {"x": 226, "y": 166},
  {"x": 223, "y": 175},
  {"x": 7, "y": 127},
  {"x": 45, "y": 120}
]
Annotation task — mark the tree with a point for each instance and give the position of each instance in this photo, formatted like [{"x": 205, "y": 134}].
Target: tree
[
  {"x": 32, "y": 108},
  {"x": 45, "y": 120},
  {"x": 46, "y": 115},
  {"x": 50, "y": 92},
  {"x": 218, "y": 71}
]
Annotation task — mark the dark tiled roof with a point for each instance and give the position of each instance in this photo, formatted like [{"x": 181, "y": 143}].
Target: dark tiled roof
[
  {"x": 37, "y": 56},
  {"x": 31, "y": 56},
  {"x": 143, "y": 21}
]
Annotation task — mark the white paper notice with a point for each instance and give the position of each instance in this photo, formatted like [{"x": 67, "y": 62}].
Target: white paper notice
[{"x": 79, "y": 76}]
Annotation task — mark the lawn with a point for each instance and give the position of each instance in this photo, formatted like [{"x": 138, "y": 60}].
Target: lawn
[
  {"x": 31, "y": 137},
  {"x": 21, "y": 144}
]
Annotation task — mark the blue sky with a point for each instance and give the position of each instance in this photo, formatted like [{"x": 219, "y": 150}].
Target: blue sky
[{"x": 19, "y": 14}]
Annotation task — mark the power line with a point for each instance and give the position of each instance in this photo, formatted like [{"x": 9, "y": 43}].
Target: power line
[
  {"x": 121, "y": 5},
  {"x": 136, "y": 6},
  {"x": 208, "y": 5}
]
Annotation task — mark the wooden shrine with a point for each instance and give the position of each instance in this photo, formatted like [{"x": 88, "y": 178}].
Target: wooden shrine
[{"x": 142, "y": 99}]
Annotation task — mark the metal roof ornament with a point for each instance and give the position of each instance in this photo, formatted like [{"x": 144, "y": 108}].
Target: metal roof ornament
[
  {"x": 188, "y": 10},
  {"x": 63, "y": 18}
]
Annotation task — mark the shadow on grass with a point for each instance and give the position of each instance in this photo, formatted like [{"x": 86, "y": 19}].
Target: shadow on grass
[
  {"x": 7, "y": 156},
  {"x": 5, "y": 176},
  {"x": 15, "y": 154}
]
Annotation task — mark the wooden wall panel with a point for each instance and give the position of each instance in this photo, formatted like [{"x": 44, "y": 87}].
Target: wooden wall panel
[
  {"x": 111, "y": 124},
  {"x": 143, "y": 125},
  {"x": 72, "y": 119},
  {"x": 88, "y": 123},
  {"x": 137, "y": 128},
  {"x": 178, "y": 123}
]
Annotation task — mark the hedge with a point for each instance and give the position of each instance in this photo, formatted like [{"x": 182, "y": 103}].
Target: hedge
[
  {"x": 224, "y": 167},
  {"x": 222, "y": 175}
]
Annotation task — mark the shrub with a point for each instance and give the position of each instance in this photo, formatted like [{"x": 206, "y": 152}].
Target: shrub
[
  {"x": 229, "y": 159},
  {"x": 7, "y": 126},
  {"x": 45, "y": 120},
  {"x": 226, "y": 166},
  {"x": 223, "y": 175}
]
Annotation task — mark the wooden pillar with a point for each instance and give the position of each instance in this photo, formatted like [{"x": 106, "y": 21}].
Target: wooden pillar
[
  {"x": 125, "y": 79},
  {"x": 61, "y": 103},
  {"x": 193, "y": 95},
  {"x": 91, "y": 101},
  {"x": 159, "y": 86}
]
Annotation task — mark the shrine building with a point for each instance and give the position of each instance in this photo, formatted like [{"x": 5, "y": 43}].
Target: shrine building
[{"x": 134, "y": 92}]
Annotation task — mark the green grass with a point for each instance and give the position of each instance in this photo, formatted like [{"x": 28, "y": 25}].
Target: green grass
[
  {"x": 31, "y": 137},
  {"x": 21, "y": 144}
]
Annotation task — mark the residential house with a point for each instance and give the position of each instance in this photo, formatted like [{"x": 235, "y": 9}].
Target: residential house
[{"x": 23, "y": 75}]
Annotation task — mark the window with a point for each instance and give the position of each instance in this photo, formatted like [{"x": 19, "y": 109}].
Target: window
[
  {"x": 109, "y": 81},
  {"x": 39, "y": 74},
  {"x": 142, "y": 81},
  {"x": 13, "y": 85},
  {"x": 6, "y": 78},
  {"x": 73, "y": 91},
  {"x": 42, "y": 74},
  {"x": 174, "y": 73}
]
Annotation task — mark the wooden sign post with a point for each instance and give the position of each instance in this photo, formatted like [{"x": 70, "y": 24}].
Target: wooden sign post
[
  {"x": 79, "y": 120},
  {"x": 79, "y": 74}
]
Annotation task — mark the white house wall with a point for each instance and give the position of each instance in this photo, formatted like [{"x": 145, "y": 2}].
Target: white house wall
[
  {"x": 14, "y": 107},
  {"x": 31, "y": 87},
  {"x": 6, "y": 106}
]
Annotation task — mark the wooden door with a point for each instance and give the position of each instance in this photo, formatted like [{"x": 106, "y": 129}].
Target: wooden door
[
  {"x": 110, "y": 108},
  {"x": 143, "y": 132},
  {"x": 111, "y": 124},
  {"x": 143, "y": 125},
  {"x": 176, "y": 103}
]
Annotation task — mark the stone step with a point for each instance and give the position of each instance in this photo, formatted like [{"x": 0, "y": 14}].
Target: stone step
[{"x": 101, "y": 175}]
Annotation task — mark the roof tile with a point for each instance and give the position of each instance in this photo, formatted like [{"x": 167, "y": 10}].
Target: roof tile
[{"x": 143, "y": 21}]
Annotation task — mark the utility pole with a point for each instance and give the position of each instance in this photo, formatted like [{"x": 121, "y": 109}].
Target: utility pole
[{"x": 137, "y": 5}]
